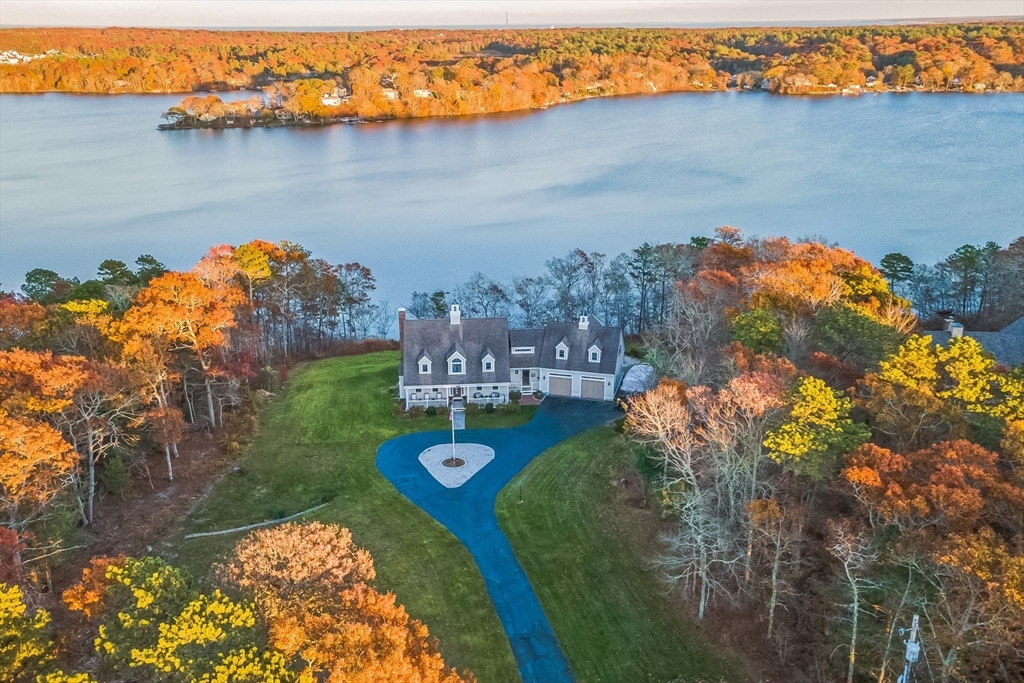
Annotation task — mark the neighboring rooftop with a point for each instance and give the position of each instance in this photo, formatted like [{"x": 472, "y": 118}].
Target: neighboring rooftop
[{"x": 1007, "y": 345}]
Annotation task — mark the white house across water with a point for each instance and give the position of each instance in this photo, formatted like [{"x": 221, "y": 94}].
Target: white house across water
[{"x": 481, "y": 360}]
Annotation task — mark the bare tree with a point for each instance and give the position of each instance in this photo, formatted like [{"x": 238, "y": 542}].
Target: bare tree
[
  {"x": 482, "y": 297},
  {"x": 853, "y": 550},
  {"x": 384, "y": 319},
  {"x": 532, "y": 297}
]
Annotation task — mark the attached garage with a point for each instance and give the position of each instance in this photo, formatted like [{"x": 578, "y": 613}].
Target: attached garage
[
  {"x": 560, "y": 385},
  {"x": 592, "y": 388}
]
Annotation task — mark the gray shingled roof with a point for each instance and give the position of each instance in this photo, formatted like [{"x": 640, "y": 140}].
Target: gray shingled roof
[
  {"x": 1007, "y": 345},
  {"x": 579, "y": 342},
  {"x": 471, "y": 338},
  {"x": 534, "y": 337}
]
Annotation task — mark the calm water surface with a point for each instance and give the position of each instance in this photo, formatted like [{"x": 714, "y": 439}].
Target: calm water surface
[{"x": 426, "y": 203}]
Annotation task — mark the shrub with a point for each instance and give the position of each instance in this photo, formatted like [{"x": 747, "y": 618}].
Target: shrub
[
  {"x": 514, "y": 396},
  {"x": 472, "y": 409},
  {"x": 416, "y": 411},
  {"x": 116, "y": 476},
  {"x": 430, "y": 411},
  {"x": 539, "y": 395},
  {"x": 442, "y": 411},
  {"x": 490, "y": 408}
]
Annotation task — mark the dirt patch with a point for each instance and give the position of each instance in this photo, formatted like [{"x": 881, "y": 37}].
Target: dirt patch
[
  {"x": 632, "y": 490},
  {"x": 148, "y": 520}
]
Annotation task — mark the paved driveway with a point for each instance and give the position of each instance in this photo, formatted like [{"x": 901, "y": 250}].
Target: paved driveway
[{"x": 468, "y": 512}]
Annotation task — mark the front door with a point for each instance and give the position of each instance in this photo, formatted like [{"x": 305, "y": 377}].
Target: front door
[
  {"x": 526, "y": 380},
  {"x": 457, "y": 391}
]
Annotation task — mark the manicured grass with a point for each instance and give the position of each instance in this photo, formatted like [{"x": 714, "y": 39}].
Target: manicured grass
[
  {"x": 587, "y": 554},
  {"x": 317, "y": 443}
]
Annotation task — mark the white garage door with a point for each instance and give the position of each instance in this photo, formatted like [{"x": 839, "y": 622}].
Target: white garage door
[
  {"x": 559, "y": 385},
  {"x": 592, "y": 389}
]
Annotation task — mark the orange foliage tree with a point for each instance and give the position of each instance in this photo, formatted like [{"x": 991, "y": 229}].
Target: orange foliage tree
[
  {"x": 310, "y": 580},
  {"x": 191, "y": 312},
  {"x": 35, "y": 460}
]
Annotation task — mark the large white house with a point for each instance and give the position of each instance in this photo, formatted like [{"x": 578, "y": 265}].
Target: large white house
[{"x": 481, "y": 360}]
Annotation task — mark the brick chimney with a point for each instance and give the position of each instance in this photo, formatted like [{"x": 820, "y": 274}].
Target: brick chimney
[
  {"x": 401, "y": 328},
  {"x": 455, "y": 314}
]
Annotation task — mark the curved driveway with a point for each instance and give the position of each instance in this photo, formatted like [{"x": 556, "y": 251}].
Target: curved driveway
[{"x": 468, "y": 512}]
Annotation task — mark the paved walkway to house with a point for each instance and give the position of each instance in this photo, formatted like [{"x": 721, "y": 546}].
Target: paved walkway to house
[{"x": 468, "y": 512}]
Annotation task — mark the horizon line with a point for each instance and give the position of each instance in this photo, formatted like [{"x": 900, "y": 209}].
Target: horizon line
[{"x": 546, "y": 27}]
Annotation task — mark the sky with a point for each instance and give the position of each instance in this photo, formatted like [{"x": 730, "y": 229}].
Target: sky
[{"x": 412, "y": 13}]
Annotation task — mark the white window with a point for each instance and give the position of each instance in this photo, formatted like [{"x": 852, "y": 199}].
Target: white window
[
  {"x": 424, "y": 368},
  {"x": 595, "y": 356},
  {"x": 518, "y": 350},
  {"x": 561, "y": 352},
  {"x": 594, "y": 352},
  {"x": 456, "y": 364},
  {"x": 488, "y": 366}
]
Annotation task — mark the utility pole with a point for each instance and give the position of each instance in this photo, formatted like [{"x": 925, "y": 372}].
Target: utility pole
[{"x": 913, "y": 652}]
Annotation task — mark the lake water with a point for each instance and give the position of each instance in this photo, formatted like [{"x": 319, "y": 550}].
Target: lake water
[{"x": 426, "y": 203}]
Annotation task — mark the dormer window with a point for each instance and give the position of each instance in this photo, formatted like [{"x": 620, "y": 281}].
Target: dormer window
[
  {"x": 424, "y": 365},
  {"x": 456, "y": 367},
  {"x": 487, "y": 362},
  {"x": 594, "y": 353},
  {"x": 561, "y": 354},
  {"x": 456, "y": 364},
  {"x": 562, "y": 350},
  {"x": 488, "y": 366}
]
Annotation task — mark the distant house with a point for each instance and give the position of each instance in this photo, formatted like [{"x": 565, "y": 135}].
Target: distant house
[
  {"x": 481, "y": 360},
  {"x": 1007, "y": 345},
  {"x": 390, "y": 93},
  {"x": 423, "y": 94},
  {"x": 335, "y": 98}
]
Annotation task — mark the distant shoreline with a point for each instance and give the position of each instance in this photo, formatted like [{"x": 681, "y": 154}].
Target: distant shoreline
[{"x": 256, "y": 122}]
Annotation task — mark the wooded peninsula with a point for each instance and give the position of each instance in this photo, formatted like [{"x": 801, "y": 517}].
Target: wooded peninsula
[{"x": 317, "y": 77}]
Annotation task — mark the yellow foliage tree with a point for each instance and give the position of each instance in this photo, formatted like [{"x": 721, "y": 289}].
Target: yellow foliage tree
[
  {"x": 818, "y": 430},
  {"x": 24, "y": 644}
]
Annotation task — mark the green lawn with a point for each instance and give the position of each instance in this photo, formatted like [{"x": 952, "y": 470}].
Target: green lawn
[
  {"x": 317, "y": 443},
  {"x": 586, "y": 553}
]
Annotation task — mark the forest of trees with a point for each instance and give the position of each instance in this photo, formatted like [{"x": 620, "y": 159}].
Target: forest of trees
[
  {"x": 828, "y": 471},
  {"x": 981, "y": 285},
  {"x": 831, "y": 470},
  {"x": 454, "y": 72}
]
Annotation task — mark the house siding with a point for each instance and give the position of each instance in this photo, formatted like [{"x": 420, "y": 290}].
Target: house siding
[{"x": 473, "y": 339}]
